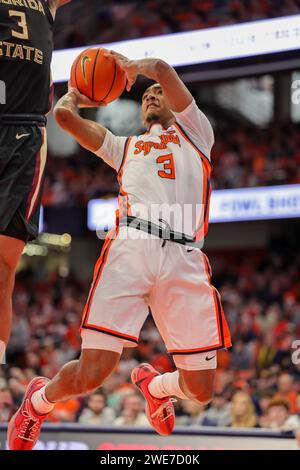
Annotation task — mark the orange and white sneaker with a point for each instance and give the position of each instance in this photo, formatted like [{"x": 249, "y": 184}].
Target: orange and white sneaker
[
  {"x": 160, "y": 411},
  {"x": 25, "y": 426}
]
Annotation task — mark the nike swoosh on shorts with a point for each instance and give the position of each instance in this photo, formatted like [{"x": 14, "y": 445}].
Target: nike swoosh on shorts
[
  {"x": 20, "y": 136},
  {"x": 209, "y": 358}
]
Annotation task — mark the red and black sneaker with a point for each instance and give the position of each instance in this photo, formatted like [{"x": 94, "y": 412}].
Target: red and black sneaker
[
  {"x": 24, "y": 427},
  {"x": 159, "y": 411}
]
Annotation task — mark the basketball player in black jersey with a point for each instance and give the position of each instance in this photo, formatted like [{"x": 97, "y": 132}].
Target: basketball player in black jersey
[{"x": 26, "y": 46}]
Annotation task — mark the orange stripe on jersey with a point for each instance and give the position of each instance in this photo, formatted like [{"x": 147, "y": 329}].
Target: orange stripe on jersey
[
  {"x": 124, "y": 206},
  {"x": 202, "y": 226},
  {"x": 186, "y": 137}
]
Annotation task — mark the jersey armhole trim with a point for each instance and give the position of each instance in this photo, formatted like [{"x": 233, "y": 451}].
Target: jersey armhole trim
[
  {"x": 184, "y": 134},
  {"x": 49, "y": 13},
  {"x": 125, "y": 151}
]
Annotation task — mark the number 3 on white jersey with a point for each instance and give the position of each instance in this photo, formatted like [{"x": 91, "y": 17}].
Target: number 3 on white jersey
[{"x": 168, "y": 165}]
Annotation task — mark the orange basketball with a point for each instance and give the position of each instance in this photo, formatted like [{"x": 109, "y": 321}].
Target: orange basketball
[{"x": 97, "y": 76}]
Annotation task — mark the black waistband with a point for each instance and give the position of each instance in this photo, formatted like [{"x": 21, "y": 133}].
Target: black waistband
[
  {"x": 158, "y": 231},
  {"x": 19, "y": 119}
]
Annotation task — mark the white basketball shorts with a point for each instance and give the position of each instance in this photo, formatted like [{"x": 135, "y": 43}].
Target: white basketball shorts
[{"x": 135, "y": 273}]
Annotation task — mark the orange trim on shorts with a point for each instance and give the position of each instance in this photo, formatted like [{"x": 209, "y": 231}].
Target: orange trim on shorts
[
  {"x": 97, "y": 273},
  {"x": 117, "y": 334},
  {"x": 96, "y": 279},
  {"x": 223, "y": 329},
  {"x": 196, "y": 350}
]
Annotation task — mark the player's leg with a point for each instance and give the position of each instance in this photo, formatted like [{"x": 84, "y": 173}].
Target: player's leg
[
  {"x": 76, "y": 378},
  {"x": 193, "y": 379},
  {"x": 188, "y": 313},
  {"x": 197, "y": 385},
  {"x": 10, "y": 253},
  {"x": 85, "y": 375},
  {"x": 111, "y": 319},
  {"x": 21, "y": 170},
  {"x": 193, "y": 382}
]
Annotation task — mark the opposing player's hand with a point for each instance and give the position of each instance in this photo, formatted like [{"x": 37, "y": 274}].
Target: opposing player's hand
[
  {"x": 82, "y": 100},
  {"x": 130, "y": 67}
]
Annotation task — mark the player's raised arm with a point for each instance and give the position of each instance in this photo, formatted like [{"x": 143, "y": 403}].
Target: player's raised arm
[
  {"x": 89, "y": 134},
  {"x": 175, "y": 92}
]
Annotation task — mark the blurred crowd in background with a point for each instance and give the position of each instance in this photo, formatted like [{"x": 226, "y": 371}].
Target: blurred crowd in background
[
  {"x": 258, "y": 381},
  {"x": 243, "y": 156},
  {"x": 258, "y": 384},
  {"x": 108, "y": 21}
]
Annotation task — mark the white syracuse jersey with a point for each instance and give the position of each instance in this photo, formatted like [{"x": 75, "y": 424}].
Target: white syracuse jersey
[
  {"x": 164, "y": 167},
  {"x": 164, "y": 174}
]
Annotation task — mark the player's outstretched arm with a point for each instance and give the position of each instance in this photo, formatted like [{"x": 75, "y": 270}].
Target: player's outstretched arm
[
  {"x": 88, "y": 134},
  {"x": 175, "y": 92}
]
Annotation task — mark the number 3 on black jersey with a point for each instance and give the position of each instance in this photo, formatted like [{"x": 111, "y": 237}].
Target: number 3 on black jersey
[{"x": 22, "y": 24}]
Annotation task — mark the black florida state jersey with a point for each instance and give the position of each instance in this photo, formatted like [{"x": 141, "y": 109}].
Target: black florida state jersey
[{"x": 26, "y": 46}]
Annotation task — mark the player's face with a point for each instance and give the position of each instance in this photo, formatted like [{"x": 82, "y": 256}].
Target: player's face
[{"x": 154, "y": 108}]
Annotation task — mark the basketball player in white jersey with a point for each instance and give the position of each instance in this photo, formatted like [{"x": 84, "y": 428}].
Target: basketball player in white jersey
[{"x": 149, "y": 259}]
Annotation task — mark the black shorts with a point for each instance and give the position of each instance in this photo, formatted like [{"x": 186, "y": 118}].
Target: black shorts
[{"x": 23, "y": 152}]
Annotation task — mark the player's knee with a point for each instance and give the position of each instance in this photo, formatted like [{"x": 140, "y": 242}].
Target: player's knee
[{"x": 205, "y": 397}]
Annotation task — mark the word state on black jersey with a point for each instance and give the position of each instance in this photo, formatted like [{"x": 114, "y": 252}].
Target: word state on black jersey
[
  {"x": 14, "y": 50},
  {"x": 19, "y": 51}
]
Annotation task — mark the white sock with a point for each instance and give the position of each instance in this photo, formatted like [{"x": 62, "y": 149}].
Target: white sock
[
  {"x": 40, "y": 402},
  {"x": 166, "y": 385},
  {"x": 2, "y": 352}
]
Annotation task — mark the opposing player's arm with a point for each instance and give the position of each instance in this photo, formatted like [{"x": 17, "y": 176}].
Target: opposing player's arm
[
  {"x": 55, "y": 4},
  {"x": 175, "y": 92},
  {"x": 88, "y": 134},
  {"x": 60, "y": 3}
]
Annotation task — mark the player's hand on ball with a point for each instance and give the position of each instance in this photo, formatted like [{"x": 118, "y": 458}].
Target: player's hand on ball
[
  {"x": 82, "y": 100},
  {"x": 130, "y": 67}
]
